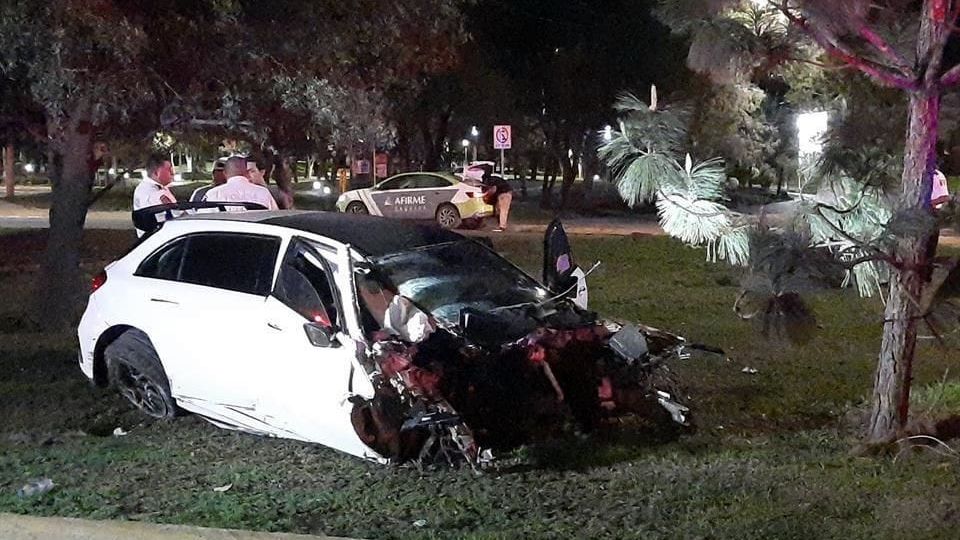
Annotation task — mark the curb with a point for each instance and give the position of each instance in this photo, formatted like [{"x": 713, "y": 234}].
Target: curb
[{"x": 19, "y": 527}]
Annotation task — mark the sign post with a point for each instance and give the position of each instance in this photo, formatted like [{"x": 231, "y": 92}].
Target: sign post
[{"x": 502, "y": 140}]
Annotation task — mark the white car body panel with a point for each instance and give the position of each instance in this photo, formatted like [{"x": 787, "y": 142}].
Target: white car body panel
[{"x": 240, "y": 360}]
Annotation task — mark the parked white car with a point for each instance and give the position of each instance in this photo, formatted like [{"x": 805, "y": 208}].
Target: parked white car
[
  {"x": 388, "y": 340},
  {"x": 441, "y": 197}
]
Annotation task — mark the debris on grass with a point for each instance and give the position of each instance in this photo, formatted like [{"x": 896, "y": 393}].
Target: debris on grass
[
  {"x": 119, "y": 432},
  {"x": 749, "y": 370},
  {"x": 223, "y": 489},
  {"x": 36, "y": 486}
]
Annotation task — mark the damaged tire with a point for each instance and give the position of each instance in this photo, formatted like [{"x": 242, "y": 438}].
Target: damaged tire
[{"x": 134, "y": 369}]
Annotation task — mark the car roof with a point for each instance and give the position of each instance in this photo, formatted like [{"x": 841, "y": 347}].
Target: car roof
[{"x": 371, "y": 235}]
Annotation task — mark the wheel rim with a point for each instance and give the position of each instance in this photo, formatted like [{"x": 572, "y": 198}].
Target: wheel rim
[
  {"x": 447, "y": 217},
  {"x": 140, "y": 390},
  {"x": 357, "y": 209}
]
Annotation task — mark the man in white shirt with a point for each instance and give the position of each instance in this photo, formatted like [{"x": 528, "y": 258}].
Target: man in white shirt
[
  {"x": 239, "y": 188},
  {"x": 153, "y": 189}
]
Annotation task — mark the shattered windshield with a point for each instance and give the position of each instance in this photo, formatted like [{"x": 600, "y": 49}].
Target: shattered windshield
[{"x": 447, "y": 278}]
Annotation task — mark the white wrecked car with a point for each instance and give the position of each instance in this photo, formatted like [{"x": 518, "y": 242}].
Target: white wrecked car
[{"x": 388, "y": 340}]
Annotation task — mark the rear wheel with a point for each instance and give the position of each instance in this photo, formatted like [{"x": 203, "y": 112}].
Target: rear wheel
[
  {"x": 448, "y": 216},
  {"x": 357, "y": 207},
  {"x": 135, "y": 371}
]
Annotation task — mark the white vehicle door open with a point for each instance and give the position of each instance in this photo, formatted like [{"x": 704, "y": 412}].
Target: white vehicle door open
[{"x": 312, "y": 365}]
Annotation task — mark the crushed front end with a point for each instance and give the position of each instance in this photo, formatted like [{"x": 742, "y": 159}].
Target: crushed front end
[{"x": 500, "y": 380}]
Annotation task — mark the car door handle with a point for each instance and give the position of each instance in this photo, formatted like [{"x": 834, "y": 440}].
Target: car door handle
[{"x": 164, "y": 301}]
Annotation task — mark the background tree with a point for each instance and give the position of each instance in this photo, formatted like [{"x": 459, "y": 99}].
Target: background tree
[
  {"x": 96, "y": 65},
  {"x": 566, "y": 62}
]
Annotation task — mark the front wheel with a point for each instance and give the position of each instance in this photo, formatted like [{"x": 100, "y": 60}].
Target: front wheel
[
  {"x": 448, "y": 216},
  {"x": 357, "y": 207},
  {"x": 135, "y": 370}
]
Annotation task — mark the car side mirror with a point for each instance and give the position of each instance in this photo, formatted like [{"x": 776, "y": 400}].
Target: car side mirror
[{"x": 321, "y": 335}]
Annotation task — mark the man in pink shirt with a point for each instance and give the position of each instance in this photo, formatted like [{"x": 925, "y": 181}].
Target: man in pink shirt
[
  {"x": 239, "y": 188},
  {"x": 940, "y": 194}
]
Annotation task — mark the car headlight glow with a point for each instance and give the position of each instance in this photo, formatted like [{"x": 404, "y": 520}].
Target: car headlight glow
[
  {"x": 327, "y": 190},
  {"x": 317, "y": 185}
]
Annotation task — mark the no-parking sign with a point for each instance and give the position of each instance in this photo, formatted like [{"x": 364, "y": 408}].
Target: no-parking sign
[{"x": 501, "y": 137}]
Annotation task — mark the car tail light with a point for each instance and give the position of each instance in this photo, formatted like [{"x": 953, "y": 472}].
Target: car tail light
[{"x": 98, "y": 281}]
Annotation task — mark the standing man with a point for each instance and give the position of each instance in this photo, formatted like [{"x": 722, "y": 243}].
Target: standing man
[
  {"x": 219, "y": 178},
  {"x": 499, "y": 193},
  {"x": 153, "y": 189},
  {"x": 239, "y": 188}
]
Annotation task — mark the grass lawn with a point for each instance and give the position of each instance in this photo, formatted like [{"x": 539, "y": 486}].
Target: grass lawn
[{"x": 770, "y": 459}]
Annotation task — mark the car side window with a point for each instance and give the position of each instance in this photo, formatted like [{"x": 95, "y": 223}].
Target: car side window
[
  {"x": 232, "y": 261},
  {"x": 393, "y": 183},
  {"x": 164, "y": 263},
  {"x": 429, "y": 181},
  {"x": 304, "y": 286}
]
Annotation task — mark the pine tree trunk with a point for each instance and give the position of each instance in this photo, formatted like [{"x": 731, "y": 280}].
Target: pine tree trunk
[
  {"x": 8, "y": 178},
  {"x": 59, "y": 289},
  {"x": 891, "y": 393}
]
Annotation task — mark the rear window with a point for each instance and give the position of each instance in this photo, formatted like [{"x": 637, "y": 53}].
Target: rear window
[{"x": 231, "y": 261}]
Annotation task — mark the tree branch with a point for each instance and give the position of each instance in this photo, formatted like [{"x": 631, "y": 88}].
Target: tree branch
[
  {"x": 951, "y": 77},
  {"x": 820, "y": 65},
  {"x": 846, "y": 236},
  {"x": 881, "y": 73},
  {"x": 892, "y": 54}
]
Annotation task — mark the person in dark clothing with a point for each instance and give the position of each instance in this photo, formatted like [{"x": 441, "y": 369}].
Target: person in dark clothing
[
  {"x": 219, "y": 178},
  {"x": 499, "y": 193}
]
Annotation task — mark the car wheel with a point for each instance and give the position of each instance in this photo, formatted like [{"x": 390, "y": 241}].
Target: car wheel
[
  {"x": 448, "y": 216},
  {"x": 357, "y": 207},
  {"x": 135, "y": 371}
]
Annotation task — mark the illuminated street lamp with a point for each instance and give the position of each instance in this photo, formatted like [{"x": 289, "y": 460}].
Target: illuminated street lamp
[
  {"x": 607, "y": 133},
  {"x": 475, "y": 133},
  {"x": 466, "y": 145},
  {"x": 29, "y": 167}
]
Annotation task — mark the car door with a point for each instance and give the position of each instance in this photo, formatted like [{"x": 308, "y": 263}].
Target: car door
[
  {"x": 313, "y": 367},
  {"x": 385, "y": 195},
  {"x": 430, "y": 190},
  {"x": 209, "y": 307}
]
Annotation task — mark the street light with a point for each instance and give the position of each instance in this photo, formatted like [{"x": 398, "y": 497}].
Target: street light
[
  {"x": 466, "y": 144},
  {"x": 475, "y": 134},
  {"x": 607, "y": 133},
  {"x": 29, "y": 167}
]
